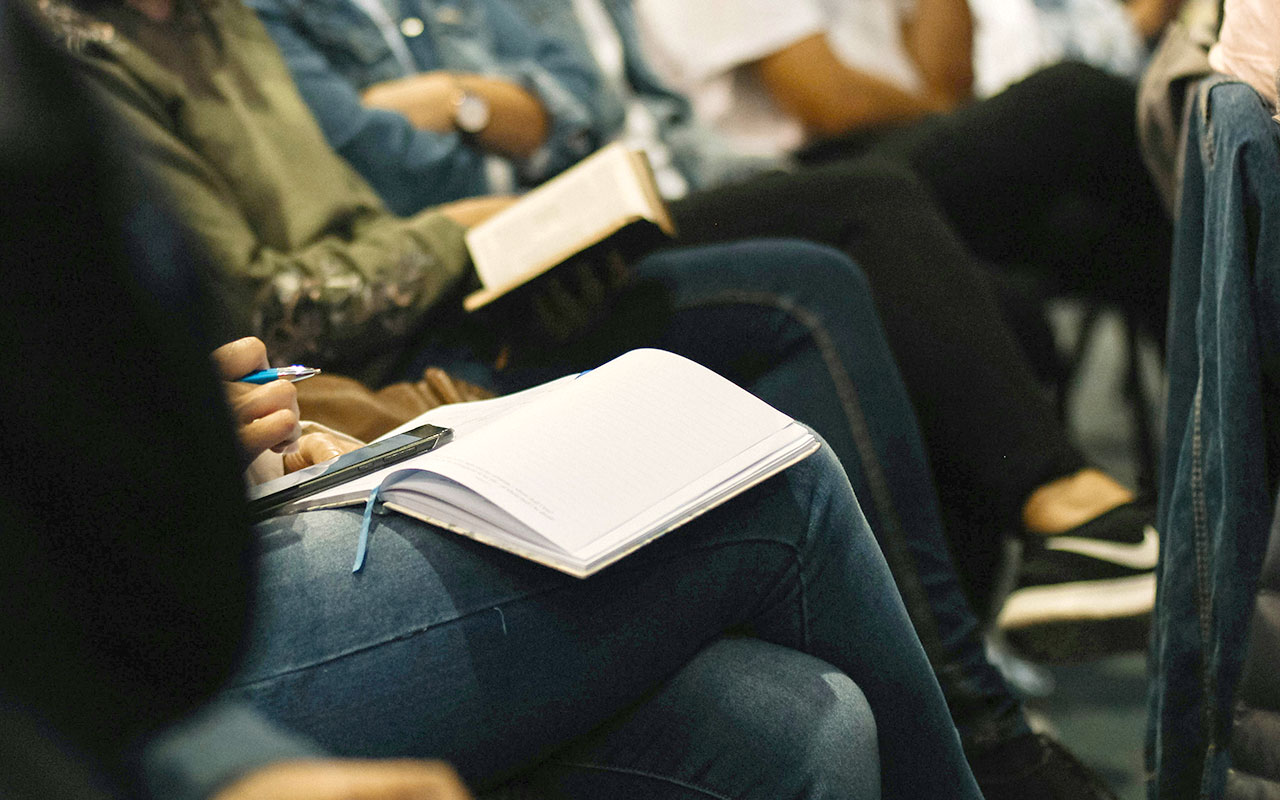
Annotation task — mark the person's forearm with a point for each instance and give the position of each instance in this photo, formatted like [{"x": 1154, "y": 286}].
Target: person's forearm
[
  {"x": 809, "y": 82},
  {"x": 939, "y": 38},
  {"x": 1150, "y": 16},
  {"x": 346, "y": 300},
  {"x": 471, "y": 211},
  {"x": 518, "y": 124},
  {"x": 214, "y": 747}
]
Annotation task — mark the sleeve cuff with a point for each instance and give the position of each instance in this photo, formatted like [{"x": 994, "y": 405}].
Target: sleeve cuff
[
  {"x": 212, "y": 748},
  {"x": 572, "y": 136}
]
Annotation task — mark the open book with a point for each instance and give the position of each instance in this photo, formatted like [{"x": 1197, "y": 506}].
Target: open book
[
  {"x": 609, "y": 192},
  {"x": 576, "y": 473}
]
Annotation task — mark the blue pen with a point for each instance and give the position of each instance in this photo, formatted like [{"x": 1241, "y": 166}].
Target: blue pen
[{"x": 295, "y": 373}]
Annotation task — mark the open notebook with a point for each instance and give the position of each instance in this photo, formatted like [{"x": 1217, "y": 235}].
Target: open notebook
[{"x": 576, "y": 473}]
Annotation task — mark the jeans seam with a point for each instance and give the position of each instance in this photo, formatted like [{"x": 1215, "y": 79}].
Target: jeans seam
[
  {"x": 398, "y": 637},
  {"x": 892, "y": 544},
  {"x": 1204, "y": 599},
  {"x": 1206, "y": 130},
  {"x": 1200, "y": 516},
  {"x": 643, "y": 774}
]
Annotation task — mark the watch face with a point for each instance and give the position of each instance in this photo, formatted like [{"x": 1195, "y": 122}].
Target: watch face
[{"x": 471, "y": 113}]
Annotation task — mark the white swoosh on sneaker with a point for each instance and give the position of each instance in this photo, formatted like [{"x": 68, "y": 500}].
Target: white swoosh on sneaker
[{"x": 1142, "y": 555}]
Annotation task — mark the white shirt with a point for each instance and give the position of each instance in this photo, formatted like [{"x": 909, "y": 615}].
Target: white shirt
[
  {"x": 1249, "y": 44},
  {"x": 703, "y": 47},
  {"x": 641, "y": 129},
  {"x": 1013, "y": 38}
]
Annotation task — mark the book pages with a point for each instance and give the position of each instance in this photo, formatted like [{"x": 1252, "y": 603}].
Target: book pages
[
  {"x": 579, "y": 208},
  {"x": 584, "y": 461}
]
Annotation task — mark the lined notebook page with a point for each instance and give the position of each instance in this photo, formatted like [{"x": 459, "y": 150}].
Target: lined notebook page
[
  {"x": 569, "y": 467},
  {"x": 463, "y": 418}
]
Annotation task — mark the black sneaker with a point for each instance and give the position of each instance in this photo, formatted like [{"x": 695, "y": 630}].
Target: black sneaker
[
  {"x": 1087, "y": 592},
  {"x": 1035, "y": 767}
]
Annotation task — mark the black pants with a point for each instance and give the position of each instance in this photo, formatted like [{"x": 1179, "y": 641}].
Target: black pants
[
  {"x": 991, "y": 431},
  {"x": 1044, "y": 177}
]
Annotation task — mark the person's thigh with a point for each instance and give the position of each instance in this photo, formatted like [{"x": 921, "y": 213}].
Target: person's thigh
[
  {"x": 806, "y": 204},
  {"x": 987, "y": 425},
  {"x": 442, "y": 647},
  {"x": 793, "y": 323},
  {"x": 744, "y": 719},
  {"x": 1046, "y": 176},
  {"x": 1008, "y": 157}
]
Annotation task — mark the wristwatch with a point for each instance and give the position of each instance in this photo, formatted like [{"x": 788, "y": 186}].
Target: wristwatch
[{"x": 470, "y": 111}]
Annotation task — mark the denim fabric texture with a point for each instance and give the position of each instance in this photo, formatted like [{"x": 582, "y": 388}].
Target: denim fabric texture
[
  {"x": 1255, "y": 746},
  {"x": 788, "y": 709},
  {"x": 335, "y": 50},
  {"x": 1216, "y": 484},
  {"x": 794, "y": 323},
  {"x": 443, "y": 647}
]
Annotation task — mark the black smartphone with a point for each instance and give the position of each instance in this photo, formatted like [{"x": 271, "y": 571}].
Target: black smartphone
[{"x": 267, "y": 498}]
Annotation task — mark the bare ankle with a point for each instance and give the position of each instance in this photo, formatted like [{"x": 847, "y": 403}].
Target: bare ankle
[{"x": 1072, "y": 500}]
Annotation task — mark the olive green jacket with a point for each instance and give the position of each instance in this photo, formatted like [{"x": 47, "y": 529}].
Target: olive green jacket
[{"x": 320, "y": 268}]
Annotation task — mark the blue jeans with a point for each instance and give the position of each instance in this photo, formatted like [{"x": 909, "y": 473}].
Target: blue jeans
[
  {"x": 443, "y": 647},
  {"x": 794, "y": 323},
  {"x": 798, "y": 727},
  {"x": 1216, "y": 483}
]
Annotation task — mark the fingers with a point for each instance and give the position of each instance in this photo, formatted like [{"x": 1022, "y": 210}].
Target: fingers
[
  {"x": 275, "y": 431},
  {"x": 439, "y": 382},
  {"x": 417, "y": 780},
  {"x": 267, "y": 415},
  {"x": 349, "y": 780},
  {"x": 474, "y": 210},
  {"x": 316, "y": 448},
  {"x": 617, "y": 273},
  {"x": 249, "y": 401},
  {"x": 590, "y": 289},
  {"x": 558, "y": 311},
  {"x": 571, "y": 299},
  {"x": 452, "y": 390},
  {"x": 236, "y": 359},
  {"x": 579, "y": 294}
]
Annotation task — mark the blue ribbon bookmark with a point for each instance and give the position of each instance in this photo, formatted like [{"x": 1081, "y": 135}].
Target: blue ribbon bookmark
[{"x": 362, "y": 547}]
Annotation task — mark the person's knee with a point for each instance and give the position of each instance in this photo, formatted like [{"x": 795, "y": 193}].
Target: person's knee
[
  {"x": 744, "y": 718},
  {"x": 819, "y": 286},
  {"x": 824, "y": 736},
  {"x": 1079, "y": 86},
  {"x": 835, "y": 738},
  {"x": 823, "y": 267},
  {"x": 800, "y": 718}
]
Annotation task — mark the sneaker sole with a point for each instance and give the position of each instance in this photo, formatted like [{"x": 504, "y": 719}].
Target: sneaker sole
[
  {"x": 1079, "y": 621},
  {"x": 1081, "y": 600}
]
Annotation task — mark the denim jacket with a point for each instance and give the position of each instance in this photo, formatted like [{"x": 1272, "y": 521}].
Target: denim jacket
[
  {"x": 1218, "y": 472},
  {"x": 335, "y": 50},
  {"x": 704, "y": 157}
]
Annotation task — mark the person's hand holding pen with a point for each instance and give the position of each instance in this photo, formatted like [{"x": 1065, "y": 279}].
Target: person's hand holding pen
[
  {"x": 266, "y": 414},
  {"x": 264, "y": 403}
]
